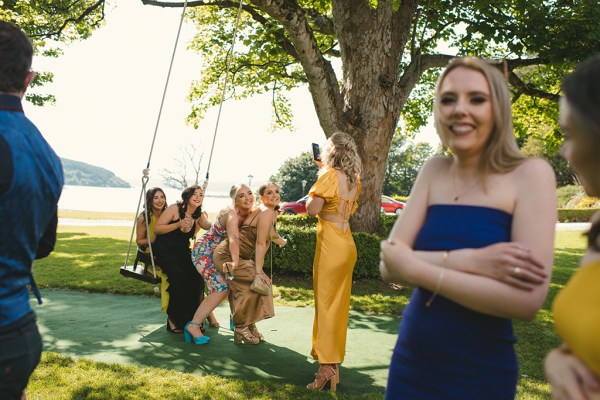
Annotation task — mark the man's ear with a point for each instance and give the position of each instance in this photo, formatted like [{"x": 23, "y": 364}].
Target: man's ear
[{"x": 28, "y": 79}]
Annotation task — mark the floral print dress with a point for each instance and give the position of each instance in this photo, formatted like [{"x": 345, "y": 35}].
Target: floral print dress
[{"x": 202, "y": 257}]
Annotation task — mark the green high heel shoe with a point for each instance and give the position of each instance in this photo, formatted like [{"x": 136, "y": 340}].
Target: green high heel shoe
[{"x": 189, "y": 337}]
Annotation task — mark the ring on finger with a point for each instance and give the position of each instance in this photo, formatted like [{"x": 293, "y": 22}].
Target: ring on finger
[{"x": 516, "y": 271}]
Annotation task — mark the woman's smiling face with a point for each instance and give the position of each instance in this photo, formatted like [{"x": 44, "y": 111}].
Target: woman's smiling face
[
  {"x": 466, "y": 113},
  {"x": 244, "y": 198},
  {"x": 271, "y": 196}
]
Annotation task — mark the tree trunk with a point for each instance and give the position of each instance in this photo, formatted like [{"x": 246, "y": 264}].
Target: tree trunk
[{"x": 372, "y": 41}]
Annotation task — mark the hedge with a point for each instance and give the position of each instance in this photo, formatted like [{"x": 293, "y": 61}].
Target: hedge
[
  {"x": 301, "y": 233},
  {"x": 575, "y": 214},
  {"x": 306, "y": 221}
]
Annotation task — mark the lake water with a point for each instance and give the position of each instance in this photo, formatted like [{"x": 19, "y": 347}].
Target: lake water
[{"x": 90, "y": 198}]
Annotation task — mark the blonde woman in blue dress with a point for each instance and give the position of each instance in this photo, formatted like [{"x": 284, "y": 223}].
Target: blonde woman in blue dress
[{"x": 476, "y": 241}]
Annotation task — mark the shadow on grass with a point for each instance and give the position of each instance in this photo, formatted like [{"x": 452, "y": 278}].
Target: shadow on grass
[{"x": 131, "y": 330}]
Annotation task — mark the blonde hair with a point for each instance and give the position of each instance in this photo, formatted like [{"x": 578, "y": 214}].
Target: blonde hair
[
  {"x": 232, "y": 192},
  {"x": 501, "y": 153},
  {"x": 234, "y": 189},
  {"x": 341, "y": 153},
  {"x": 263, "y": 188}
]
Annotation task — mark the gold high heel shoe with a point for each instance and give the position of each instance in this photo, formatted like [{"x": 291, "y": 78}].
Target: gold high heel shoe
[
  {"x": 243, "y": 334},
  {"x": 256, "y": 333},
  {"x": 326, "y": 373}
]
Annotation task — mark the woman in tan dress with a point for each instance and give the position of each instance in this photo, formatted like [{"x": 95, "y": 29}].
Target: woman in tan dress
[{"x": 247, "y": 306}]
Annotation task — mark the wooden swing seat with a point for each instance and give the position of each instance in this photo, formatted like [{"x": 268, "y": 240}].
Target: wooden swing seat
[{"x": 141, "y": 268}]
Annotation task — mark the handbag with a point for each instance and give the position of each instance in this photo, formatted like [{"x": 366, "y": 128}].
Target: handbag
[{"x": 259, "y": 286}]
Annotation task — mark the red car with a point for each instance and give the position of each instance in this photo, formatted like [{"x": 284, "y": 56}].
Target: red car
[
  {"x": 388, "y": 205},
  {"x": 295, "y": 207}
]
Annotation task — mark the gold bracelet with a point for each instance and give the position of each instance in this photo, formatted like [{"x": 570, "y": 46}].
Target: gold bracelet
[{"x": 438, "y": 286}]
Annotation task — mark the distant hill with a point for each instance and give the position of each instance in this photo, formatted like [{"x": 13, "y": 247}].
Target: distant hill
[{"x": 78, "y": 173}]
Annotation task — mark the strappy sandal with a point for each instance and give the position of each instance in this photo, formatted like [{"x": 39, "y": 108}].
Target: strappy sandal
[
  {"x": 171, "y": 327},
  {"x": 326, "y": 373},
  {"x": 243, "y": 334},
  {"x": 256, "y": 333}
]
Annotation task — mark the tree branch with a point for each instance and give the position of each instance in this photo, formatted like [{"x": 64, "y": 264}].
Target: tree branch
[
  {"x": 320, "y": 23},
  {"x": 530, "y": 90},
  {"x": 81, "y": 17},
  {"x": 417, "y": 66},
  {"x": 322, "y": 81}
]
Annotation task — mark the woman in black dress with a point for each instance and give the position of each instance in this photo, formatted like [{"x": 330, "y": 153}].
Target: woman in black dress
[{"x": 174, "y": 229}]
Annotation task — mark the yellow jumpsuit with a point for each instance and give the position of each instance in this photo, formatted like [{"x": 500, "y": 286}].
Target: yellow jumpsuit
[{"x": 335, "y": 256}]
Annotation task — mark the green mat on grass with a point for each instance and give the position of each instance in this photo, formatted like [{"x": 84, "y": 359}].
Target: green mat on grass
[{"x": 131, "y": 330}]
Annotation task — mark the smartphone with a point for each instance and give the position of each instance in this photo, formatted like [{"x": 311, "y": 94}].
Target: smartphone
[{"x": 316, "y": 152}]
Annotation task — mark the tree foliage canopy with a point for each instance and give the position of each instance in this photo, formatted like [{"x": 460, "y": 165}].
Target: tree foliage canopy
[
  {"x": 367, "y": 63},
  {"x": 291, "y": 174},
  {"x": 404, "y": 162},
  {"x": 51, "y": 24}
]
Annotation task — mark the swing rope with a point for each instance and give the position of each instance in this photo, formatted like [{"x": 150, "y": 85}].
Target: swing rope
[
  {"x": 146, "y": 171},
  {"x": 227, "y": 69}
]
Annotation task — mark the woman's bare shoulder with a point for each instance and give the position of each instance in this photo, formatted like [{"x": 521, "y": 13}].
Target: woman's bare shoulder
[
  {"x": 534, "y": 169},
  {"x": 435, "y": 165}
]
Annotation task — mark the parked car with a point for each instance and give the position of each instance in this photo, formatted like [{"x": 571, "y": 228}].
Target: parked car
[
  {"x": 388, "y": 205},
  {"x": 295, "y": 207}
]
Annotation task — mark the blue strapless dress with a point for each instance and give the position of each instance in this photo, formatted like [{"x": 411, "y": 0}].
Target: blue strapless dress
[{"x": 447, "y": 351}]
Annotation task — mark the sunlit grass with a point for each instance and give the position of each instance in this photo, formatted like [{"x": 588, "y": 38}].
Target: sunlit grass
[
  {"x": 95, "y": 215},
  {"x": 61, "y": 377},
  {"x": 88, "y": 258}
]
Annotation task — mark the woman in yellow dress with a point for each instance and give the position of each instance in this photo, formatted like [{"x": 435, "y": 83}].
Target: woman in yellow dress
[
  {"x": 333, "y": 198},
  {"x": 156, "y": 203},
  {"x": 573, "y": 369}
]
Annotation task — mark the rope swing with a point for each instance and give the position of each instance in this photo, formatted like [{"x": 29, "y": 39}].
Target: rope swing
[{"x": 141, "y": 256}]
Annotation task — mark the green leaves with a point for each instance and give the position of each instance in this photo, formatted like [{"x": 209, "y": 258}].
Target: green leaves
[
  {"x": 292, "y": 173},
  {"x": 50, "y": 24},
  {"x": 263, "y": 60}
]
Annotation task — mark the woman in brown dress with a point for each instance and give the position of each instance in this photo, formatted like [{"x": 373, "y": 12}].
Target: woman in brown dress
[{"x": 247, "y": 306}]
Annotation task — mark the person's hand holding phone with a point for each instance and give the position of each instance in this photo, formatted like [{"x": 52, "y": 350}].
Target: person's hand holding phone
[{"x": 316, "y": 154}]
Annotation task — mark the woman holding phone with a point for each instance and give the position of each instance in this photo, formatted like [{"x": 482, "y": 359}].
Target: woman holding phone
[{"x": 333, "y": 198}]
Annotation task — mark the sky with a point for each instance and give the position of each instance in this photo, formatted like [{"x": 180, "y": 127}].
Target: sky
[{"x": 109, "y": 89}]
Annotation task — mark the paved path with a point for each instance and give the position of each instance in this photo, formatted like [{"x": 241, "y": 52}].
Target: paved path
[
  {"x": 131, "y": 330},
  {"x": 572, "y": 226}
]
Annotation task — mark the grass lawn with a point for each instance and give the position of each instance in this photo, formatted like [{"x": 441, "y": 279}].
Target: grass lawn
[{"x": 88, "y": 258}]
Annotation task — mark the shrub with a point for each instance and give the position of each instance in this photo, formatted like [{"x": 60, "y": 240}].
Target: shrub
[
  {"x": 387, "y": 223},
  {"x": 400, "y": 198},
  {"x": 588, "y": 202},
  {"x": 297, "y": 257},
  {"x": 308, "y": 222},
  {"x": 298, "y": 221},
  {"x": 575, "y": 214},
  {"x": 565, "y": 193}
]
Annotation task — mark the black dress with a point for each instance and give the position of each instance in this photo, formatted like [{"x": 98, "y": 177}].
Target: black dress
[{"x": 186, "y": 287}]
